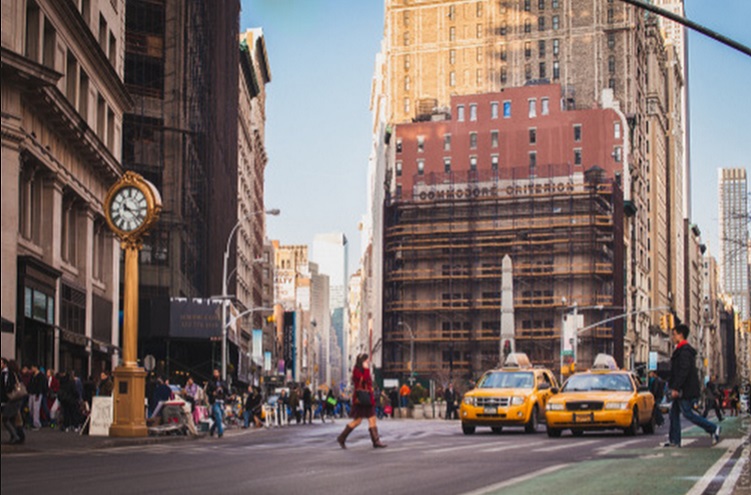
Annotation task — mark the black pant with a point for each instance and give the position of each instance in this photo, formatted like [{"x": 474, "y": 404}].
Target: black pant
[
  {"x": 712, "y": 404},
  {"x": 307, "y": 413}
]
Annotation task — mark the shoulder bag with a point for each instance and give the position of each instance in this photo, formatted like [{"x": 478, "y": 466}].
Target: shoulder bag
[{"x": 19, "y": 391}]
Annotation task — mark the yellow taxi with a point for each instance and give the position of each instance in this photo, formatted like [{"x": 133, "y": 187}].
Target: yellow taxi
[
  {"x": 603, "y": 398},
  {"x": 514, "y": 395}
]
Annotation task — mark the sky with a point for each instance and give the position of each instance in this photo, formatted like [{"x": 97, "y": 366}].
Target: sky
[{"x": 318, "y": 121}]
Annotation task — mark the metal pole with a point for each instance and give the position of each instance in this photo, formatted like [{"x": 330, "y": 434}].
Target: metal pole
[
  {"x": 576, "y": 333},
  {"x": 224, "y": 309}
]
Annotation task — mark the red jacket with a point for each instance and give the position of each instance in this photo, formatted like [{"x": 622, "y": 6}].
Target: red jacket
[{"x": 362, "y": 381}]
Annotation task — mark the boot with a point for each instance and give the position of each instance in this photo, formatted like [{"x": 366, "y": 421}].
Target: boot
[
  {"x": 343, "y": 437},
  {"x": 376, "y": 440}
]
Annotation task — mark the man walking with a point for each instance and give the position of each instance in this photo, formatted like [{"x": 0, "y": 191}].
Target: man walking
[
  {"x": 711, "y": 401},
  {"x": 685, "y": 389},
  {"x": 307, "y": 403},
  {"x": 217, "y": 392},
  {"x": 450, "y": 396},
  {"x": 657, "y": 388},
  {"x": 37, "y": 393}
]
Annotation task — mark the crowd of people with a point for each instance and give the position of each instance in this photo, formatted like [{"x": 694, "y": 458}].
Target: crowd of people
[{"x": 35, "y": 398}]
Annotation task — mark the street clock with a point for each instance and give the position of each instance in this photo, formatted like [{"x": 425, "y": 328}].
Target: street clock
[{"x": 132, "y": 206}]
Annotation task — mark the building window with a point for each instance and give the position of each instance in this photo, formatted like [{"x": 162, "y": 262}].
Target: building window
[
  {"x": 473, "y": 112},
  {"x": 398, "y": 191},
  {"x": 406, "y": 105},
  {"x": 532, "y": 106},
  {"x": 406, "y": 38},
  {"x": 617, "y": 154},
  {"x": 527, "y": 26},
  {"x": 478, "y": 55},
  {"x": 406, "y": 18},
  {"x": 478, "y": 9},
  {"x": 541, "y": 4},
  {"x": 504, "y": 75},
  {"x": 527, "y": 72},
  {"x": 30, "y": 205},
  {"x": 460, "y": 113},
  {"x": 542, "y": 70},
  {"x": 398, "y": 145},
  {"x": 494, "y": 162},
  {"x": 447, "y": 142},
  {"x": 473, "y": 140},
  {"x": 556, "y": 47},
  {"x": 478, "y": 31},
  {"x": 406, "y": 84},
  {"x": 554, "y": 4},
  {"x": 473, "y": 163},
  {"x": 545, "y": 106},
  {"x": 69, "y": 231},
  {"x": 532, "y": 161},
  {"x": 577, "y": 132},
  {"x": 452, "y": 33},
  {"x": 611, "y": 83},
  {"x": 611, "y": 40},
  {"x": 420, "y": 167},
  {"x": 494, "y": 139},
  {"x": 541, "y": 48},
  {"x": 452, "y": 78},
  {"x": 452, "y": 56},
  {"x": 504, "y": 28},
  {"x": 577, "y": 156},
  {"x": 398, "y": 169},
  {"x": 494, "y": 110},
  {"x": 447, "y": 165},
  {"x": 541, "y": 24},
  {"x": 617, "y": 130},
  {"x": 507, "y": 109},
  {"x": 452, "y": 12},
  {"x": 527, "y": 5},
  {"x": 611, "y": 16},
  {"x": 556, "y": 70},
  {"x": 533, "y": 136},
  {"x": 406, "y": 62},
  {"x": 556, "y": 23},
  {"x": 527, "y": 49},
  {"x": 504, "y": 54},
  {"x": 420, "y": 144},
  {"x": 611, "y": 64}
]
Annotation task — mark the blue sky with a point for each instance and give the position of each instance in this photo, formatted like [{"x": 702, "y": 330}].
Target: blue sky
[{"x": 322, "y": 54}]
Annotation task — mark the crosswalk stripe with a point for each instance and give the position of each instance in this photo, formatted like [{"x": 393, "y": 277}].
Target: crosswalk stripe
[{"x": 572, "y": 445}]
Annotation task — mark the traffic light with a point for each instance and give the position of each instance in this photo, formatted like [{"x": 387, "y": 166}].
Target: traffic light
[
  {"x": 667, "y": 321},
  {"x": 271, "y": 319}
]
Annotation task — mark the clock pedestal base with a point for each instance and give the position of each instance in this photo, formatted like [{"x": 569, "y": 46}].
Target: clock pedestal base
[{"x": 129, "y": 413}]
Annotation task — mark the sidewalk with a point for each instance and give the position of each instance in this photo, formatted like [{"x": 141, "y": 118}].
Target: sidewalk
[{"x": 54, "y": 441}]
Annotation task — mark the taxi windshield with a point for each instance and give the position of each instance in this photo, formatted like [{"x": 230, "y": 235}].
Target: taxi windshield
[
  {"x": 507, "y": 379},
  {"x": 607, "y": 382}
]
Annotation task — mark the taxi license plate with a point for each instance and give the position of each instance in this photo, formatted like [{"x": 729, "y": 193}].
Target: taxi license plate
[
  {"x": 583, "y": 418},
  {"x": 491, "y": 410}
]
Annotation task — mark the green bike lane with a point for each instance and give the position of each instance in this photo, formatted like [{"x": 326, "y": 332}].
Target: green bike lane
[{"x": 696, "y": 468}]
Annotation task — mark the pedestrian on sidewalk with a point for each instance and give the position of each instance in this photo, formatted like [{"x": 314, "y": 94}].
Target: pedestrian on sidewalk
[
  {"x": 685, "y": 389},
  {"x": 711, "y": 398},
  {"x": 451, "y": 398},
  {"x": 394, "y": 398},
  {"x": 363, "y": 403},
  {"x": 105, "y": 386},
  {"x": 404, "y": 393},
  {"x": 37, "y": 393},
  {"x": 252, "y": 407},
  {"x": 11, "y": 409},
  {"x": 294, "y": 405},
  {"x": 53, "y": 405},
  {"x": 307, "y": 405},
  {"x": 217, "y": 392}
]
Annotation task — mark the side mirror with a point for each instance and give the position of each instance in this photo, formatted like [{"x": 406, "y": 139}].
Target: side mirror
[
  {"x": 554, "y": 390},
  {"x": 543, "y": 386}
]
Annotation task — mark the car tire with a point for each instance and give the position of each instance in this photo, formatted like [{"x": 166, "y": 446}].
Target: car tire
[
  {"x": 497, "y": 429},
  {"x": 534, "y": 420},
  {"x": 649, "y": 428},
  {"x": 577, "y": 432},
  {"x": 634, "y": 427},
  {"x": 468, "y": 430},
  {"x": 554, "y": 432}
]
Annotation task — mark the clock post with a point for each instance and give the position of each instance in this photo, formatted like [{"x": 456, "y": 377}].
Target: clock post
[{"x": 132, "y": 206}]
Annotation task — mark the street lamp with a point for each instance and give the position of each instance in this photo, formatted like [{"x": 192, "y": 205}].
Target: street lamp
[
  {"x": 224, "y": 295},
  {"x": 411, "y": 352}
]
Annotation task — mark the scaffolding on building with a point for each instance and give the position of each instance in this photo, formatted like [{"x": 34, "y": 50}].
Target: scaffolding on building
[{"x": 444, "y": 244}]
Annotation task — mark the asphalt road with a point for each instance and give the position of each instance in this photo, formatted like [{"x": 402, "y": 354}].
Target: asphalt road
[{"x": 431, "y": 457}]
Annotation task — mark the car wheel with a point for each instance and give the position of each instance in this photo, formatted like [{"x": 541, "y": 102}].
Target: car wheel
[
  {"x": 649, "y": 428},
  {"x": 554, "y": 432},
  {"x": 577, "y": 432},
  {"x": 534, "y": 420},
  {"x": 468, "y": 430},
  {"x": 497, "y": 429},
  {"x": 634, "y": 426}
]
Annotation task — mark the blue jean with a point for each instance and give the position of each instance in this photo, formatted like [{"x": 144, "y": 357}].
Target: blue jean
[
  {"x": 217, "y": 412},
  {"x": 686, "y": 407}
]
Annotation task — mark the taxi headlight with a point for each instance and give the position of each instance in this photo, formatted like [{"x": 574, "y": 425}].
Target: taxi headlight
[
  {"x": 555, "y": 407},
  {"x": 470, "y": 401},
  {"x": 616, "y": 405},
  {"x": 517, "y": 400}
]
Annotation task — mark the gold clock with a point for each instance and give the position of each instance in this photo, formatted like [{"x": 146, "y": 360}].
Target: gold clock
[{"x": 132, "y": 206}]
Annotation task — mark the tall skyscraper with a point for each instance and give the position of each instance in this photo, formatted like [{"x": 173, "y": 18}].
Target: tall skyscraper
[{"x": 734, "y": 237}]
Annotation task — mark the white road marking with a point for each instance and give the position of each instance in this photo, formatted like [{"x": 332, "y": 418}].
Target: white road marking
[
  {"x": 612, "y": 447},
  {"x": 709, "y": 476},
  {"x": 729, "y": 485},
  {"x": 573, "y": 445},
  {"x": 519, "y": 479}
]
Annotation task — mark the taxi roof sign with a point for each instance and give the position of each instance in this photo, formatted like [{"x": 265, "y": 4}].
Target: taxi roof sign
[
  {"x": 605, "y": 362},
  {"x": 517, "y": 360}
]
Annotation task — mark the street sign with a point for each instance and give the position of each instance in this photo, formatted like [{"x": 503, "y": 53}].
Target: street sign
[
  {"x": 652, "y": 365},
  {"x": 149, "y": 363}
]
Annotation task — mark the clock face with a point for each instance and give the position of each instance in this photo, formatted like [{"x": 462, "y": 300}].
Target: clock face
[{"x": 129, "y": 209}]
